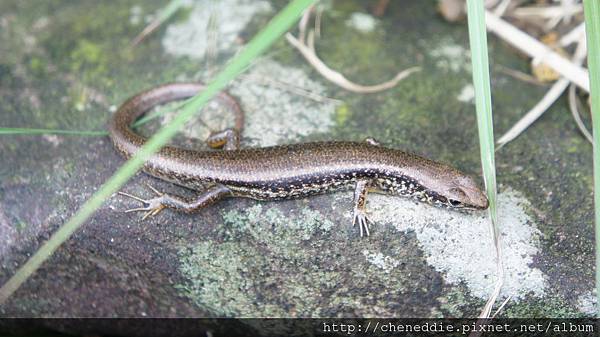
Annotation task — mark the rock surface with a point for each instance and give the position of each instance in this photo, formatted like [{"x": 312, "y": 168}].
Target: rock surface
[{"x": 67, "y": 65}]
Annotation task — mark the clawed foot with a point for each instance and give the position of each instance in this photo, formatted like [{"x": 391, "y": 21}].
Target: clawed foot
[
  {"x": 153, "y": 206},
  {"x": 360, "y": 218}
]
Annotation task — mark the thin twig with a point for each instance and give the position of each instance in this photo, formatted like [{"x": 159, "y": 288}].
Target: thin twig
[
  {"x": 338, "y": 78},
  {"x": 501, "y": 8},
  {"x": 573, "y": 36},
  {"x": 535, "y": 49},
  {"x": 303, "y": 23},
  {"x": 306, "y": 46},
  {"x": 318, "y": 20},
  {"x": 547, "y": 11},
  {"x": 487, "y": 309},
  {"x": 481, "y": 320},
  {"x": 501, "y": 306},
  {"x": 147, "y": 31},
  {"x": 552, "y": 23},
  {"x": 566, "y": 4}
]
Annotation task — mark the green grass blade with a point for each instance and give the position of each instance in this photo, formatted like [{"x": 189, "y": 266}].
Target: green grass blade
[
  {"x": 483, "y": 104},
  {"x": 28, "y": 131},
  {"x": 276, "y": 27},
  {"x": 592, "y": 27},
  {"x": 483, "y": 97}
]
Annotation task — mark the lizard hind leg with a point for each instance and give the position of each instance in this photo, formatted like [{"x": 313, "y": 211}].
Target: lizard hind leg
[
  {"x": 228, "y": 139},
  {"x": 155, "y": 205}
]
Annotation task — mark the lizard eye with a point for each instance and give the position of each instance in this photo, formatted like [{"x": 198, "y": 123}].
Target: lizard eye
[
  {"x": 454, "y": 203},
  {"x": 458, "y": 192}
]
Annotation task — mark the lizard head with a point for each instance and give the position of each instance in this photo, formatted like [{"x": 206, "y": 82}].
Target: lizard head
[{"x": 461, "y": 191}]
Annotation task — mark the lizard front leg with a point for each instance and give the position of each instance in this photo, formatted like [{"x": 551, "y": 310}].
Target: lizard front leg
[{"x": 359, "y": 215}]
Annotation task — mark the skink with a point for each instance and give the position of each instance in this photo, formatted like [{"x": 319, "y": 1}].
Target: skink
[{"x": 286, "y": 171}]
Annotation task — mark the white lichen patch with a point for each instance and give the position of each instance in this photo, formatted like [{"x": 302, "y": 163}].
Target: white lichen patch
[
  {"x": 467, "y": 94},
  {"x": 459, "y": 245},
  {"x": 362, "y": 22},
  {"x": 275, "y": 113},
  {"x": 451, "y": 57},
  {"x": 383, "y": 262},
  {"x": 588, "y": 304},
  {"x": 191, "y": 38}
]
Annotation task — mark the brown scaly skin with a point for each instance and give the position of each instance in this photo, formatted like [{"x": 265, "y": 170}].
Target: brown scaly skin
[{"x": 287, "y": 171}]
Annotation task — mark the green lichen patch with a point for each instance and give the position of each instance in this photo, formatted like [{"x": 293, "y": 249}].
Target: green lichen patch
[
  {"x": 304, "y": 226},
  {"x": 271, "y": 262},
  {"x": 551, "y": 306}
]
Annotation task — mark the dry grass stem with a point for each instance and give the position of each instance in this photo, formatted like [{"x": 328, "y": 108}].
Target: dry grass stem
[
  {"x": 548, "y": 12},
  {"x": 575, "y": 35},
  {"x": 487, "y": 309},
  {"x": 318, "y": 18},
  {"x": 337, "y": 78},
  {"x": 573, "y": 106},
  {"x": 303, "y": 23},
  {"x": 536, "y": 49},
  {"x": 502, "y": 7},
  {"x": 501, "y": 306},
  {"x": 306, "y": 47},
  {"x": 551, "y": 96},
  {"x": 147, "y": 31}
]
